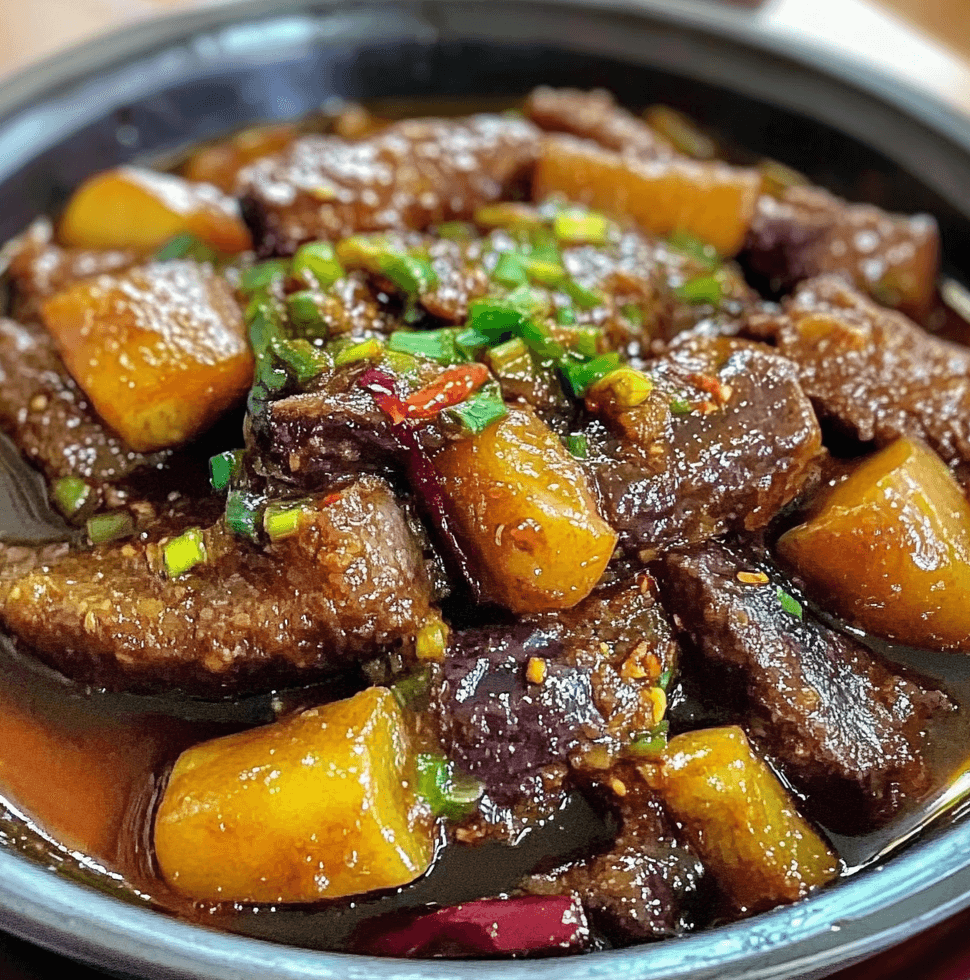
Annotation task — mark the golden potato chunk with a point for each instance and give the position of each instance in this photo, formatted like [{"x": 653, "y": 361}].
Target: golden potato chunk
[
  {"x": 525, "y": 510},
  {"x": 741, "y": 820},
  {"x": 134, "y": 208},
  {"x": 889, "y": 549},
  {"x": 318, "y": 805},
  {"x": 711, "y": 200},
  {"x": 159, "y": 349}
]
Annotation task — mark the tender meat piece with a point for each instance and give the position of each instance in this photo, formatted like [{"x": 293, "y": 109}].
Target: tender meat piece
[
  {"x": 844, "y": 727},
  {"x": 352, "y": 308},
  {"x": 595, "y": 115},
  {"x": 808, "y": 232},
  {"x": 351, "y": 583},
  {"x": 873, "y": 373},
  {"x": 414, "y": 174},
  {"x": 49, "y": 417},
  {"x": 646, "y": 886},
  {"x": 39, "y": 268},
  {"x": 517, "y": 704},
  {"x": 697, "y": 458}
]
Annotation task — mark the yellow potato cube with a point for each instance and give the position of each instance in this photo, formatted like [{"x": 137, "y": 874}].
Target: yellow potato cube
[
  {"x": 524, "y": 509},
  {"x": 889, "y": 549},
  {"x": 319, "y": 805},
  {"x": 159, "y": 349},
  {"x": 138, "y": 209},
  {"x": 740, "y": 819}
]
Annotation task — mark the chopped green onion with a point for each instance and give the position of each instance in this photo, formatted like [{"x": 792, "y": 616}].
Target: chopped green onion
[
  {"x": 186, "y": 246},
  {"x": 584, "y": 340},
  {"x": 283, "y": 520},
  {"x": 494, "y": 319},
  {"x": 537, "y": 336},
  {"x": 471, "y": 341},
  {"x": 305, "y": 314},
  {"x": 510, "y": 270},
  {"x": 509, "y": 356},
  {"x": 578, "y": 445},
  {"x": 652, "y": 742},
  {"x": 663, "y": 681},
  {"x": 789, "y": 603},
  {"x": 543, "y": 245},
  {"x": 412, "y": 688},
  {"x": 225, "y": 467},
  {"x": 528, "y": 301},
  {"x": 545, "y": 272},
  {"x": 448, "y": 794},
  {"x": 184, "y": 552},
  {"x": 625, "y": 386},
  {"x": 243, "y": 512},
  {"x": 367, "y": 350},
  {"x": 317, "y": 262},
  {"x": 263, "y": 275},
  {"x": 565, "y": 316},
  {"x": 456, "y": 231},
  {"x": 581, "y": 374},
  {"x": 70, "y": 494},
  {"x": 300, "y": 358},
  {"x": 691, "y": 246},
  {"x": 477, "y": 412},
  {"x": 110, "y": 526},
  {"x": 702, "y": 289},
  {"x": 508, "y": 215},
  {"x": 585, "y": 299},
  {"x": 680, "y": 406},
  {"x": 436, "y": 345},
  {"x": 408, "y": 272},
  {"x": 579, "y": 228}
]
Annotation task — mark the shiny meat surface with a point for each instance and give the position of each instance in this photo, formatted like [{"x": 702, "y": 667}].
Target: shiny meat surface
[
  {"x": 808, "y": 232},
  {"x": 844, "y": 727},
  {"x": 596, "y": 116},
  {"x": 873, "y": 373},
  {"x": 415, "y": 174},
  {"x": 696, "y": 459},
  {"x": 350, "y": 584}
]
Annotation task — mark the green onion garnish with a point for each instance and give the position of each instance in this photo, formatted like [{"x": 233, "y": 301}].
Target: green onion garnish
[
  {"x": 584, "y": 340},
  {"x": 471, "y": 341},
  {"x": 317, "y": 262},
  {"x": 305, "y": 314},
  {"x": 680, "y": 406},
  {"x": 408, "y": 272},
  {"x": 302, "y": 361},
  {"x": 578, "y": 445},
  {"x": 663, "y": 682},
  {"x": 508, "y": 215},
  {"x": 477, "y": 412},
  {"x": 509, "y": 356},
  {"x": 70, "y": 494},
  {"x": 184, "y": 552},
  {"x": 691, "y": 246},
  {"x": 187, "y": 246},
  {"x": 243, "y": 512},
  {"x": 527, "y": 301},
  {"x": 652, "y": 742},
  {"x": 537, "y": 336},
  {"x": 585, "y": 299},
  {"x": 510, "y": 270},
  {"x": 581, "y": 374},
  {"x": 544, "y": 272},
  {"x": 448, "y": 793},
  {"x": 110, "y": 526},
  {"x": 565, "y": 316},
  {"x": 283, "y": 520},
  {"x": 413, "y": 687},
  {"x": 224, "y": 467},
  {"x": 263, "y": 275},
  {"x": 456, "y": 231},
  {"x": 702, "y": 289},
  {"x": 789, "y": 603},
  {"x": 579, "y": 228},
  {"x": 633, "y": 313},
  {"x": 367, "y": 350},
  {"x": 436, "y": 345}
]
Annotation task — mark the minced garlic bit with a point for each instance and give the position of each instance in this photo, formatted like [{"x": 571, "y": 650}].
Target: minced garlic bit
[
  {"x": 753, "y": 578},
  {"x": 536, "y": 670}
]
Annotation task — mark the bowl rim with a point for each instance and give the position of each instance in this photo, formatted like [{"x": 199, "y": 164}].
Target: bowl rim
[{"x": 833, "y": 928}]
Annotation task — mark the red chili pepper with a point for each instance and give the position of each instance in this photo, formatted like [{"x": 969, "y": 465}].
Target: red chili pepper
[
  {"x": 451, "y": 388},
  {"x": 381, "y": 386}
]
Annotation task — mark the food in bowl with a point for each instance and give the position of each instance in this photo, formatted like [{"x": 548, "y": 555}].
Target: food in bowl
[{"x": 565, "y": 495}]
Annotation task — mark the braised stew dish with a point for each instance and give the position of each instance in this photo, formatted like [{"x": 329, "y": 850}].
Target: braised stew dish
[{"x": 506, "y": 534}]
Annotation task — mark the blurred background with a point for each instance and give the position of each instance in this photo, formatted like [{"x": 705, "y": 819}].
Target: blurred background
[{"x": 925, "y": 43}]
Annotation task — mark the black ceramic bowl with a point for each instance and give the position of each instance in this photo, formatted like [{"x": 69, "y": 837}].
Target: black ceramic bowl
[{"x": 162, "y": 86}]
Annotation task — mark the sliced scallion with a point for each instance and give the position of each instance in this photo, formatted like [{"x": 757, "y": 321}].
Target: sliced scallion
[
  {"x": 263, "y": 275},
  {"x": 578, "y": 445},
  {"x": 110, "y": 526},
  {"x": 789, "y": 603},
  {"x": 184, "y": 552},
  {"x": 690, "y": 245},
  {"x": 283, "y": 520},
  {"x": 448, "y": 793},
  {"x": 510, "y": 270},
  {"x": 317, "y": 262},
  {"x": 224, "y": 468},
  {"x": 580, "y": 375},
  {"x": 410, "y": 273},
  {"x": 477, "y": 412},
  {"x": 305, "y": 314},
  {"x": 70, "y": 494},
  {"x": 436, "y": 345},
  {"x": 581, "y": 228},
  {"x": 187, "y": 246},
  {"x": 584, "y": 298},
  {"x": 301, "y": 360},
  {"x": 701, "y": 289},
  {"x": 367, "y": 350},
  {"x": 652, "y": 742},
  {"x": 243, "y": 511}
]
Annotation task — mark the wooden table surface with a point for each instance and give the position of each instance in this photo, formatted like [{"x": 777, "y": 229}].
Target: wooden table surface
[{"x": 924, "y": 42}]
